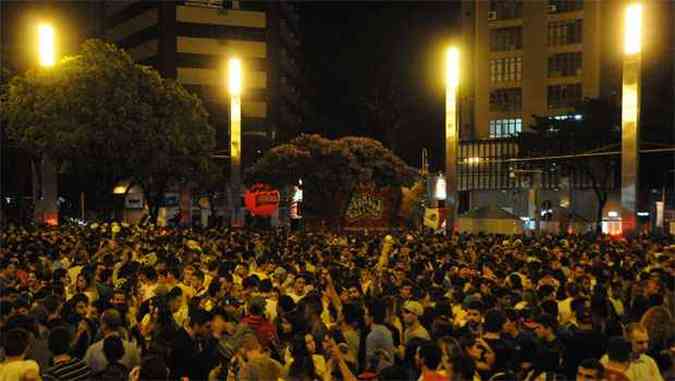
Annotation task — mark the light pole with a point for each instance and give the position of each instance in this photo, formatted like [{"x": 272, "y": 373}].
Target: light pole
[
  {"x": 630, "y": 118},
  {"x": 451, "y": 136},
  {"x": 234, "y": 86},
  {"x": 47, "y": 210}
]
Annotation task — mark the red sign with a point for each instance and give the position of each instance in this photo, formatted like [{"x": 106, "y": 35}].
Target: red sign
[{"x": 262, "y": 200}]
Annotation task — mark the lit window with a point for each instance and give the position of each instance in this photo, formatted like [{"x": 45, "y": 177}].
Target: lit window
[
  {"x": 506, "y": 69},
  {"x": 503, "y": 128}
]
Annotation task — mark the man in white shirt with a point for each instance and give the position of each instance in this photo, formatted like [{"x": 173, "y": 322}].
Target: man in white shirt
[
  {"x": 111, "y": 323},
  {"x": 641, "y": 367}
]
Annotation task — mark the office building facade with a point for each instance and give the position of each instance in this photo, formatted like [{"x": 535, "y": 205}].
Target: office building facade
[
  {"x": 191, "y": 42},
  {"x": 526, "y": 58}
]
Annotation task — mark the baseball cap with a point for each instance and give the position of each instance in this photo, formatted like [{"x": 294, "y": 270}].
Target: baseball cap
[{"x": 414, "y": 307}]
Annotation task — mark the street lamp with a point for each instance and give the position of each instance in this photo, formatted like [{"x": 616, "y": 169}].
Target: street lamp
[
  {"x": 234, "y": 85},
  {"x": 47, "y": 210},
  {"x": 630, "y": 116},
  {"x": 451, "y": 135}
]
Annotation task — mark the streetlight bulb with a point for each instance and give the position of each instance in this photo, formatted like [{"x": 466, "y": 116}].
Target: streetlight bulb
[
  {"x": 452, "y": 67},
  {"x": 46, "y": 44},
  {"x": 633, "y": 29},
  {"x": 234, "y": 76}
]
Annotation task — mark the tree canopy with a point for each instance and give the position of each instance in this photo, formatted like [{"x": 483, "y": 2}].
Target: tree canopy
[
  {"x": 330, "y": 168},
  {"x": 106, "y": 118}
]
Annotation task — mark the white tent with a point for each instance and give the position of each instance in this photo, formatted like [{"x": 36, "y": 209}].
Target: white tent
[{"x": 490, "y": 219}]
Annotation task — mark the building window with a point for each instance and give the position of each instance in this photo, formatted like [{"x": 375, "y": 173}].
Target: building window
[
  {"x": 565, "y": 32},
  {"x": 564, "y": 65},
  {"x": 504, "y": 39},
  {"x": 506, "y": 9},
  {"x": 503, "y": 128},
  {"x": 506, "y": 69},
  {"x": 505, "y": 100},
  {"x": 559, "y": 6},
  {"x": 568, "y": 117},
  {"x": 564, "y": 96}
]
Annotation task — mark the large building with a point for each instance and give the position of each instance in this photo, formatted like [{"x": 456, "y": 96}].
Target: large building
[
  {"x": 191, "y": 42},
  {"x": 524, "y": 58}
]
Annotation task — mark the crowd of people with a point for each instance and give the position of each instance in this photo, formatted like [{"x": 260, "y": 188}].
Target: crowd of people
[{"x": 104, "y": 302}]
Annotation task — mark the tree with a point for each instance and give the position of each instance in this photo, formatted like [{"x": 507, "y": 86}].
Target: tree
[
  {"x": 108, "y": 119},
  {"x": 596, "y": 130},
  {"x": 330, "y": 169}
]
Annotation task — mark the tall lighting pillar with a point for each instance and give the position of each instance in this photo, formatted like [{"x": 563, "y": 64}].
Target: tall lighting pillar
[
  {"x": 630, "y": 118},
  {"x": 234, "y": 88},
  {"x": 46, "y": 205},
  {"x": 451, "y": 136}
]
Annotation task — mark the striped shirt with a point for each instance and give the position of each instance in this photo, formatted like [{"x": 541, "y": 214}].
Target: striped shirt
[{"x": 74, "y": 369}]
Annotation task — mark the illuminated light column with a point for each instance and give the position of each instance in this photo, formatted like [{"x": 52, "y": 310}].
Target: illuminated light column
[
  {"x": 234, "y": 88},
  {"x": 451, "y": 136},
  {"x": 46, "y": 45},
  {"x": 46, "y": 205},
  {"x": 630, "y": 118}
]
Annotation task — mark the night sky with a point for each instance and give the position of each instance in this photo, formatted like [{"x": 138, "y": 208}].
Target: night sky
[{"x": 354, "y": 50}]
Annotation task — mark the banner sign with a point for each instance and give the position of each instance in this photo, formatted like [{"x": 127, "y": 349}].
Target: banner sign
[
  {"x": 368, "y": 208},
  {"x": 134, "y": 201},
  {"x": 262, "y": 200}
]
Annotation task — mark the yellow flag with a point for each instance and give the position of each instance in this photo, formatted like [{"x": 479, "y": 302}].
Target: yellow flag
[{"x": 432, "y": 218}]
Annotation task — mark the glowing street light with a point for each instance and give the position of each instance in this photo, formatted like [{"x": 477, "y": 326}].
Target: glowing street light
[
  {"x": 234, "y": 86},
  {"x": 633, "y": 29},
  {"x": 630, "y": 116},
  {"x": 46, "y": 45},
  {"x": 46, "y": 195},
  {"x": 451, "y": 134},
  {"x": 234, "y": 76}
]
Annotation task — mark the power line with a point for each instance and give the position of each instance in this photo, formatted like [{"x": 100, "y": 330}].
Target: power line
[{"x": 582, "y": 155}]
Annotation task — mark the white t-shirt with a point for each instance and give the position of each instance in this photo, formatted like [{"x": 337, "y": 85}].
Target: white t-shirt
[{"x": 16, "y": 370}]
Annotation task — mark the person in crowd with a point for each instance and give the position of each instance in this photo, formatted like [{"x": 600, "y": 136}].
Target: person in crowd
[
  {"x": 65, "y": 367},
  {"x": 660, "y": 326},
  {"x": 617, "y": 361},
  {"x": 301, "y": 361},
  {"x": 493, "y": 326},
  {"x": 152, "y": 368},
  {"x": 256, "y": 320},
  {"x": 335, "y": 305},
  {"x": 379, "y": 341},
  {"x": 191, "y": 346},
  {"x": 473, "y": 318},
  {"x": 640, "y": 365},
  {"x": 590, "y": 370},
  {"x": 412, "y": 311},
  {"x": 428, "y": 359},
  {"x": 15, "y": 366},
  {"x": 113, "y": 351},
  {"x": 580, "y": 338},
  {"x": 111, "y": 325}
]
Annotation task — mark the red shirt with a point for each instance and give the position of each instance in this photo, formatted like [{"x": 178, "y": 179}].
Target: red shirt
[{"x": 264, "y": 330}]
